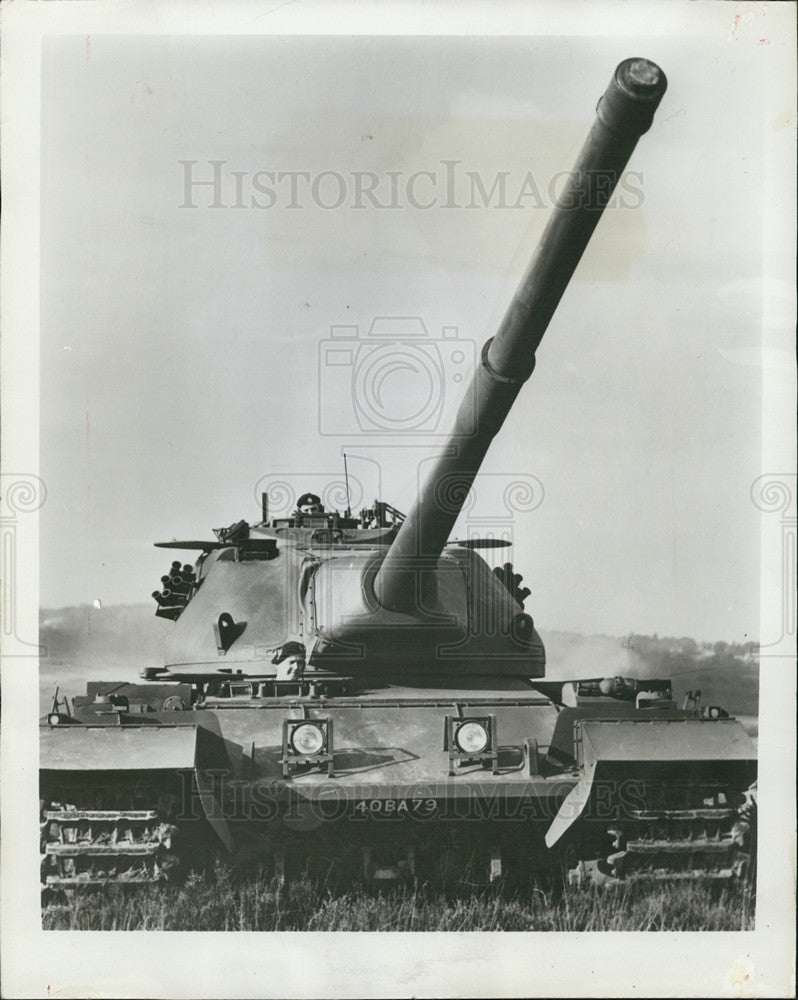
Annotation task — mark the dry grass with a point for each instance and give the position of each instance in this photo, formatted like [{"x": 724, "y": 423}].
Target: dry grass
[{"x": 222, "y": 901}]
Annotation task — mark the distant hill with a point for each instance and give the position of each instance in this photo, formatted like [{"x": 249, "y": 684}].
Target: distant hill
[
  {"x": 115, "y": 642},
  {"x": 128, "y": 636},
  {"x": 87, "y": 643}
]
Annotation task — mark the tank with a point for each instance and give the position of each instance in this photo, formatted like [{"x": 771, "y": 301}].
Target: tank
[{"x": 359, "y": 690}]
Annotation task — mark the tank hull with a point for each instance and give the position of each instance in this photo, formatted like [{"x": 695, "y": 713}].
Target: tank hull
[{"x": 390, "y": 792}]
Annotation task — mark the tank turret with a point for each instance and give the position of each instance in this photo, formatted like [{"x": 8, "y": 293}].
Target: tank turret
[
  {"x": 383, "y": 594},
  {"x": 440, "y": 604}
]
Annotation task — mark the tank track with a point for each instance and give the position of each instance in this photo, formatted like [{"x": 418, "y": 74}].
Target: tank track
[
  {"x": 712, "y": 840},
  {"x": 83, "y": 846}
]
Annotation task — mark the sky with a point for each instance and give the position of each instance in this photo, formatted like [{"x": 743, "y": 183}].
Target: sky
[{"x": 191, "y": 338}]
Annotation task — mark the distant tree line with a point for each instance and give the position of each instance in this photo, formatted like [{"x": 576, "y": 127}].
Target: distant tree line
[{"x": 670, "y": 654}]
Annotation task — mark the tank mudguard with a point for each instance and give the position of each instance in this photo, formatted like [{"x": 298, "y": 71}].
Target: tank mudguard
[
  {"x": 124, "y": 749},
  {"x": 615, "y": 753},
  {"x": 118, "y": 748}
]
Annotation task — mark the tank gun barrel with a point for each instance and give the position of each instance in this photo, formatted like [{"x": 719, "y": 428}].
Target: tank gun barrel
[{"x": 624, "y": 113}]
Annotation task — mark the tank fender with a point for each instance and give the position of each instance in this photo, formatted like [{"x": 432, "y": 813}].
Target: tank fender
[
  {"x": 620, "y": 749},
  {"x": 139, "y": 748},
  {"x": 118, "y": 748}
]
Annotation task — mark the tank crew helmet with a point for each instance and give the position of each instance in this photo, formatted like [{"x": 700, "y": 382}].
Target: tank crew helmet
[{"x": 309, "y": 503}]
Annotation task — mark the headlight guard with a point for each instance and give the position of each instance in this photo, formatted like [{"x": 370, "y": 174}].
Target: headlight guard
[
  {"x": 309, "y": 742},
  {"x": 471, "y": 739}
]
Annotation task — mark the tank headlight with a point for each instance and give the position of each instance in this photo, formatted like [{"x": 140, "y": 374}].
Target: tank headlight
[
  {"x": 307, "y": 739},
  {"x": 307, "y": 742},
  {"x": 471, "y": 737},
  {"x": 54, "y": 719},
  {"x": 471, "y": 741}
]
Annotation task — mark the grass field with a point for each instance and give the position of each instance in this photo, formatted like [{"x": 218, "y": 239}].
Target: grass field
[{"x": 223, "y": 901}]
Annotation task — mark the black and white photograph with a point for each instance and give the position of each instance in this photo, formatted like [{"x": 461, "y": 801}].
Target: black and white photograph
[{"x": 398, "y": 499}]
